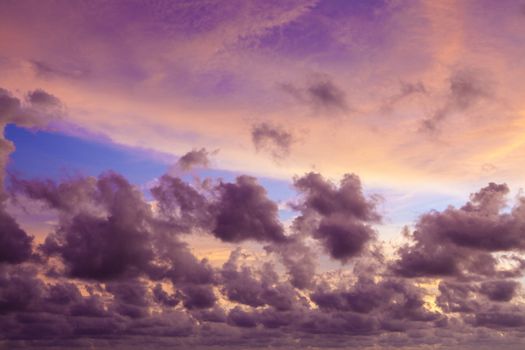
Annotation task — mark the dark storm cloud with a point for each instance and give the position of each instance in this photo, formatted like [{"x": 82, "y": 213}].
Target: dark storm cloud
[
  {"x": 457, "y": 297},
  {"x": 501, "y": 319},
  {"x": 298, "y": 258},
  {"x": 33, "y": 310},
  {"x": 233, "y": 212},
  {"x": 240, "y": 318},
  {"x": 20, "y": 289},
  {"x": 466, "y": 89},
  {"x": 162, "y": 297},
  {"x": 101, "y": 245},
  {"x": 390, "y": 299},
  {"x": 244, "y": 212},
  {"x": 460, "y": 240},
  {"x": 198, "y": 297},
  {"x": 340, "y": 215},
  {"x": 499, "y": 290},
  {"x": 242, "y": 285},
  {"x": 108, "y": 231},
  {"x": 135, "y": 300},
  {"x": 129, "y": 298},
  {"x": 181, "y": 205},
  {"x": 15, "y": 244},
  {"x": 325, "y": 198},
  {"x": 343, "y": 238},
  {"x": 272, "y": 139},
  {"x": 321, "y": 94}
]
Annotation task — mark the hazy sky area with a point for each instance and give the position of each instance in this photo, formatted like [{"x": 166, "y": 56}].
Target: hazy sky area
[{"x": 277, "y": 174}]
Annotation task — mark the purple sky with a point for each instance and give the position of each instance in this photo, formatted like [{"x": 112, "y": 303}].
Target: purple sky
[{"x": 236, "y": 174}]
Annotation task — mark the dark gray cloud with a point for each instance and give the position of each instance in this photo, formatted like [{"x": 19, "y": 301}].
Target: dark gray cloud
[
  {"x": 338, "y": 216},
  {"x": 272, "y": 139},
  {"x": 167, "y": 293},
  {"x": 181, "y": 205},
  {"x": 198, "y": 297},
  {"x": 298, "y": 258},
  {"x": 457, "y": 297},
  {"x": 129, "y": 298},
  {"x": 499, "y": 290},
  {"x": 15, "y": 243},
  {"x": 162, "y": 297},
  {"x": 501, "y": 319},
  {"x": 393, "y": 301},
  {"x": 243, "y": 285},
  {"x": 95, "y": 245},
  {"x": 108, "y": 231},
  {"x": 240, "y": 318},
  {"x": 459, "y": 240},
  {"x": 244, "y": 211}
]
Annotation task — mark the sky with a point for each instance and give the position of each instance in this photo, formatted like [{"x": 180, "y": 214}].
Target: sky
[{"x": 318, "y": 174}]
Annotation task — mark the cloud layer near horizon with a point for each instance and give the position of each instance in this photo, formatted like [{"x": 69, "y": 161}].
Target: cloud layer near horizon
[{"x": 116, "y": 271}]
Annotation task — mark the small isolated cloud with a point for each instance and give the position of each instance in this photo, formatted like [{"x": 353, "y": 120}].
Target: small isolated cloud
[
  {"x": 322, "y": 95},
  {"x": 272, "y": 139},
  {"x": 43, "y": 99},
  {"x": 196, "y": 158},
  {"x": 465, "y": 89}
]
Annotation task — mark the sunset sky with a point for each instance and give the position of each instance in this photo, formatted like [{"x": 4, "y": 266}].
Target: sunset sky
[{"x": 278, "y": 174}]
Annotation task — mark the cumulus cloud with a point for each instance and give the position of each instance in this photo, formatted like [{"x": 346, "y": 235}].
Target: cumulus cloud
[
  {"x": 139, "y": 279},
  {"x": 299, "y": 259},
  {"x": 39, "y": 108},
  {"x": 337, "y": 216},
  {"x": 244, "y": 211},
  {"x": 15, "y": 243},
  {"x": 95, "y": 245},
  {"x": 460, "y": 241},
  {"x": 243, "y": 285}
]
